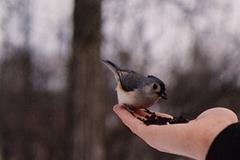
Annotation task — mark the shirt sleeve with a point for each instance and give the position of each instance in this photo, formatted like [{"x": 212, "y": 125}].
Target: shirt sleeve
[{"x": 226, "y": 146}]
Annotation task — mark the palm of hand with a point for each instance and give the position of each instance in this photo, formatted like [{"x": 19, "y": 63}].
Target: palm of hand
[{"x": 191, "y": 139}]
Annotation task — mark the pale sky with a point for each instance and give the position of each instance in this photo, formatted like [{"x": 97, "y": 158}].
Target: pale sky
[
  {"x": 171, "y": 32},
  {"x": 48, "y": 19},
  {"x": 160, "y": 30}
]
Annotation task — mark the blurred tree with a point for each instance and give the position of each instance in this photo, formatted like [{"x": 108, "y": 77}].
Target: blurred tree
[
  {"x": 21, "y": 11},
  {"x": 31, "y": 119},
  {"x": 85, "y": 110}
]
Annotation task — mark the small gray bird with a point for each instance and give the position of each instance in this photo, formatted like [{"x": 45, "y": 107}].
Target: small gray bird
[{"x": 135, "y": 90}]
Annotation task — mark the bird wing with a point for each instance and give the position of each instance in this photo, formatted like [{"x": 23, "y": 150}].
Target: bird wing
[{"x": 128, "y": 79}]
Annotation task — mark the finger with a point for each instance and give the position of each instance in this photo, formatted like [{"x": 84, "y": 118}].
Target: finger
[
  {"x": 140, "y": 112},
  {"x": 143, "y": 113},
  {"x": 163, "y": 115},
  {"x": 135, "y": 125}
]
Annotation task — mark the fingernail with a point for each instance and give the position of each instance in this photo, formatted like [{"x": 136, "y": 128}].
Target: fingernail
[{"x": 115, "y": 107}]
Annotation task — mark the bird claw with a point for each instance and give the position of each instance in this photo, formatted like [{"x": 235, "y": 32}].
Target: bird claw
[{"x": 151, "y": 118}]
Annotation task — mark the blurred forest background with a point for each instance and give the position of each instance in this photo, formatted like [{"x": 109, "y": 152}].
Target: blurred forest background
[{"x": 56, "y": 97}]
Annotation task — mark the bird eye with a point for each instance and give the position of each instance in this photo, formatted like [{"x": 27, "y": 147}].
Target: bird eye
[{"x": 155, "y": 86}]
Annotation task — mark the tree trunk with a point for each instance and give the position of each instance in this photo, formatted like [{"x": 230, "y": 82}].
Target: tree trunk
[{"x": 85, "y": 110}]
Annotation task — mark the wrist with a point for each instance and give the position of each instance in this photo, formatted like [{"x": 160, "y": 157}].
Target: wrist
[{"x": 203, "y": 136}]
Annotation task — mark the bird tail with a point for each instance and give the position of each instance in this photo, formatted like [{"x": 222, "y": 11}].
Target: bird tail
[{"x": 114, "y": 68}]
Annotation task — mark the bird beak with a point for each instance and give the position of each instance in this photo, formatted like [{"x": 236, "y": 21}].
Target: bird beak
[{"x": 164, "y": 96}]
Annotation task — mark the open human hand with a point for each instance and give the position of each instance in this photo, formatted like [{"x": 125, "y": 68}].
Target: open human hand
[{"x": 191, "y": 139}]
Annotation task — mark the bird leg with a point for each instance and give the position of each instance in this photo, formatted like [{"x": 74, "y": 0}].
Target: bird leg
[
  {"x": 149, "y": 112},
  {"x": 130, "y": 110}
]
